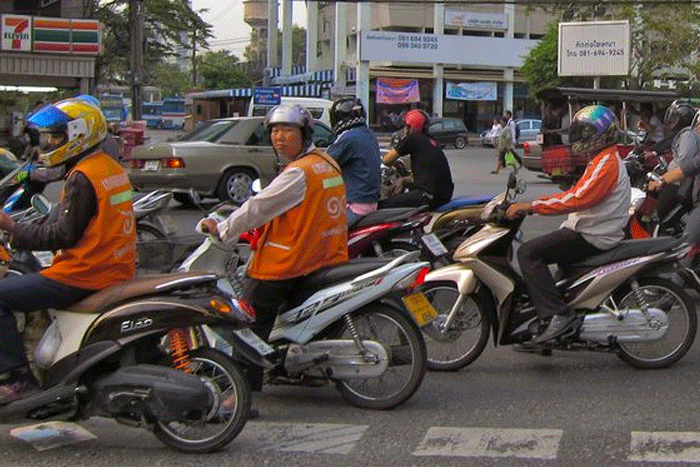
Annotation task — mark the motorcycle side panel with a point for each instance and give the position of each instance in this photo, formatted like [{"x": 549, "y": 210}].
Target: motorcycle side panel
[
  {"x": 72, "y": 327},
  {"x": 143, "y": 317}
]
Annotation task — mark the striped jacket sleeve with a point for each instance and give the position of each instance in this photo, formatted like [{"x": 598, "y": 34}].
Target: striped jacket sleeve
[{"x": 596, "y": 183}]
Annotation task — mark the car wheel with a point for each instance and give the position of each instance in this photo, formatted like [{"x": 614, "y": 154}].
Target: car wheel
[
  {"x": 460, "y": 142},
  {"x": 236, "y": 186}
]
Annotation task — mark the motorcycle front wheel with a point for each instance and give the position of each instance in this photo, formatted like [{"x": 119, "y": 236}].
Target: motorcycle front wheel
[
  {"x": 467, "y": 335},
  {"x": 407, "y": 358},
  {"x": 231, "y": 398},
  {"x": 682, "y": 323}
]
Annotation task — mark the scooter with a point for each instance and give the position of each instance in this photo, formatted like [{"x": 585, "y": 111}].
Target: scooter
[
  {"x": 354, "y": 325},
  {"x": 138, "y": 352},
  {"x": 623, "y": 302}
]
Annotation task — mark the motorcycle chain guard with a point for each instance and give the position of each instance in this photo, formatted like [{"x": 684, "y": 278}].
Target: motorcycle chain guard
[
  {"x": 337, "y": 359},
  {"x": 632, "y": 328}
]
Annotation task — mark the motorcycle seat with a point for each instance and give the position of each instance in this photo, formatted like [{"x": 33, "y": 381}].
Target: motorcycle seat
[
  {"x": 628, "y": 249},
  {"x": 327, "y": 276},
  {"x": 147, "y": 285},
  {"x": 464, "y": 201},
  {"x": 387, "y": 215}
]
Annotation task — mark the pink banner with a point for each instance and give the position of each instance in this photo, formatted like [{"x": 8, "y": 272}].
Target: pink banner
[{"x": 397, "y": 91}]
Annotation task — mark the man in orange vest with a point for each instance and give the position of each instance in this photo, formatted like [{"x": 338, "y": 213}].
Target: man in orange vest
[
  {"x": 303, "y": 217},
  {"x": 94, "y": 232}
]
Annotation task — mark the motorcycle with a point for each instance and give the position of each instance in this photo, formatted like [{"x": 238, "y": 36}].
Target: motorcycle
[
  {"x": 139, "y": 352},
  {"x": 354, "y": 325},
  {"x": 622, "y": 302}
]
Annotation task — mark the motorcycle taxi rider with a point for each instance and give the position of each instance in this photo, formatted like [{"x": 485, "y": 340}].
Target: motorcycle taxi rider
[
  {"x": 357, "y": 151},
  {"x": 598, "y": 208},
  {"x": 687, "y": 168},
  {"x": 685, "y": 145},
  {"x": 431, "y": 179},
  {"x": 302, "y": 213},
  {"x": 94, "y": 231}
]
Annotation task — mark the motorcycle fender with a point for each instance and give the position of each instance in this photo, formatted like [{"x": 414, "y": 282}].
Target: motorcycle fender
[{"x": 464, "y": 279}]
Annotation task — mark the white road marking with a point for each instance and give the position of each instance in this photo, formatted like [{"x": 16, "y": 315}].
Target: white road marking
[
  {"x": 490, "y": 442},
  {"x": 665, "y": 446},
  {"x": 324, "y": 438}
]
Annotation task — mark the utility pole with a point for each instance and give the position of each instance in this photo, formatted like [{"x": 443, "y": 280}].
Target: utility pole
[{"x": 136, "y": 26}]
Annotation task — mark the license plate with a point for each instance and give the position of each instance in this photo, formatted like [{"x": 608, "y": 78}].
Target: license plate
[
  {"x": 556, "y": 172},
  {"x": 539, "y": 139},
  {"x": 150, "y": 165},
  {"x": 434, "y": 244},
  {"x": 420, "y": 308},
  {"x": 252, "y": 339}
]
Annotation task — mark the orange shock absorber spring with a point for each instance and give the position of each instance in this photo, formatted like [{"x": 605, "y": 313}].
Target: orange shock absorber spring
[{"x": 179, "y": 349}]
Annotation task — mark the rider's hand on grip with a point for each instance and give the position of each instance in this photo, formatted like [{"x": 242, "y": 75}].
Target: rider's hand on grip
[{"x": 208, "y": 226}]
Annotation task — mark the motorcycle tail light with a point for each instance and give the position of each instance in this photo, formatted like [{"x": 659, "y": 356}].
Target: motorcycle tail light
[
  {"x": 412, "y": 280},
  {"x": 526, "y": 148},
  {"x": 172, "y": 163}
]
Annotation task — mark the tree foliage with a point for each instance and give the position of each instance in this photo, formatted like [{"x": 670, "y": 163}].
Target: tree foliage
[
  {"x": 171, "y": 29},
  {"x": 170, "y": 79},
  {"x": 218, "y": 70}
]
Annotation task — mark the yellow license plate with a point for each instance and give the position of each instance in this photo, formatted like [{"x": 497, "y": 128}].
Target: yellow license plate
[
  {"x": 420, "y": 308},
  {"x": 556, "y": 172}
]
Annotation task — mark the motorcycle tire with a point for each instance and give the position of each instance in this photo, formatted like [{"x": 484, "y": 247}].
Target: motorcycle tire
[
  {"x": 682, "y": 323},
  {"x": 468, "y": 334},
  {"x": 227, "y": 383},
  {"x": 407, "y": 357}
]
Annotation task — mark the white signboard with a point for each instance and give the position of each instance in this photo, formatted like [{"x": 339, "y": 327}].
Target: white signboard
[
  {"x": 382, "y": 46},
  {"x": 471, "y": 91},
  {"x": 17, "y": 33},
  {"x": 597, "y": 48},
  {"x": 470, "y": 20}
]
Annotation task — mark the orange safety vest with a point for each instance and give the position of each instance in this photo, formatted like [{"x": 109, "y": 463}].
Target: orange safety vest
[
  {"x": 106, "y": 253},
  {"x": 312, "y": 234}
]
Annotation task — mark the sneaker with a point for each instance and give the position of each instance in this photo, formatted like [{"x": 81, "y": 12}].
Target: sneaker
[{"x": 558, "y": 325}]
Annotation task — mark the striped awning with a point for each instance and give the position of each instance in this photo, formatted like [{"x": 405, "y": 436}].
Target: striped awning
[{"x": 296, "y": 90}]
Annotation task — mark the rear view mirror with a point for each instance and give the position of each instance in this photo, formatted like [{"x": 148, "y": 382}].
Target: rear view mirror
[
  {"x": 520, "y": 186},
  {"x": 257, "y": 186},
  {"x": 40, "y": 204}
]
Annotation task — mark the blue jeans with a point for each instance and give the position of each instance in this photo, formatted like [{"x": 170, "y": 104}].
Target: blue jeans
[{"x": 29, "y": 292}]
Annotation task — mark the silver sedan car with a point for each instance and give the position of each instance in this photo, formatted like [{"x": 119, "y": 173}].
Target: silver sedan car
[{"x": 219, "y": 159}]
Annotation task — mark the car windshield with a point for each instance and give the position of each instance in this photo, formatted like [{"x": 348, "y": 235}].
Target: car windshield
[{"x": 210, "y": 131}]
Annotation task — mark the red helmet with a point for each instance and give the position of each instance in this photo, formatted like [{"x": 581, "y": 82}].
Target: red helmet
[{"x": 416, "y": 120}]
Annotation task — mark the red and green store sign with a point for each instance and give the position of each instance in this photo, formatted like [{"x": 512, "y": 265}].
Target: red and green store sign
[{"x": 50, "y": 35}]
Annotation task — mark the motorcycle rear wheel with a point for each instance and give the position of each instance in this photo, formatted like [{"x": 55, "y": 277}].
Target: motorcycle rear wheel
[
  {"x": 407, "y": 358},
  {"x": 468, "y": 334},
  {"x": 682, "y": 319},
  {"x": 231, "y": 398}
]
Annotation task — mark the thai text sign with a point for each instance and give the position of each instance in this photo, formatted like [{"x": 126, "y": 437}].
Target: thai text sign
[
  {"x": 267, "y": 96},
  {"x": 471, "y": 20},
  {"x": 596, "y": 48},
  {"x": 471, "y": 91},
  {"x": 54, "y": 35},
  {"x": 397, "y": 91},
  {"x": 413, "y": 47}
]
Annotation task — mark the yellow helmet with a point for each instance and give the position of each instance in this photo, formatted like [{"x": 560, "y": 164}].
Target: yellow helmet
[{"x": 67, "y": 129}]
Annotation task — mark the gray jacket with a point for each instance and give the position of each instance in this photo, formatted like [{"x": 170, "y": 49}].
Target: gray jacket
[{"x": 688, "y": 154}]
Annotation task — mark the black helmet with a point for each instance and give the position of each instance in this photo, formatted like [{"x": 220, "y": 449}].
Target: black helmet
[
  {"x": 347, "y": 112},
  {"x": 678, "y": 116}
]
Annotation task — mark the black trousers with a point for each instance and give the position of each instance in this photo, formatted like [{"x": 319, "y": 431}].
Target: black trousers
[
  {"x": 29, "y": 292},
  {"x": 563, "y": 246},
  {"x": 410, "y": 199},
  {"x": 266, "y": 297}
]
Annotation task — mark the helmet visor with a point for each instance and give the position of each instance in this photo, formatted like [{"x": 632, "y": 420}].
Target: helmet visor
[
  {"x": 580, "y": 131},
  {"x": 50, "y": 118}
]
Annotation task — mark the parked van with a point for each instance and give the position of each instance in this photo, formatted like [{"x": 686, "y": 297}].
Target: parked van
[{"x": 319, "y": 108}]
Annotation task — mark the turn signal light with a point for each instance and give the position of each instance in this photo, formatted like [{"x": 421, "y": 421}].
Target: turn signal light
[
  {"x": 220, "y": 306},
  {"x": 172, "y": 163}
]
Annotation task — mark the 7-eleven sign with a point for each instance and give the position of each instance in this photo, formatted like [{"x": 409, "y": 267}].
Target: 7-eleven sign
[{"x": 17, "y": 33}]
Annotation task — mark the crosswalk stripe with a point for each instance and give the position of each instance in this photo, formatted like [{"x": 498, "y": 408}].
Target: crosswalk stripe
[
  {"x": 665, "y": 446},
  {"x": 490, "y": 442},
  {"x": 325, "y": 438}
]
